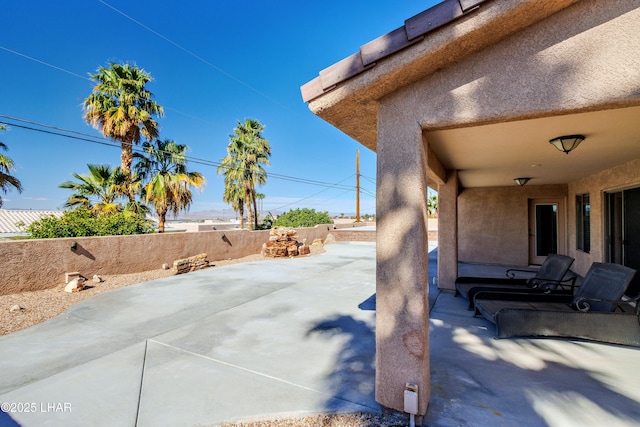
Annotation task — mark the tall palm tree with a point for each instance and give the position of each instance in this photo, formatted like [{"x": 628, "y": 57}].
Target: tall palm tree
[
  {"x": 103, "y": 185},
  {"x": 163, "y": 166},
  {"x": 123, "y": 109},
  {"x": 6, "y": 167},
  {"x": 247, "y": 152},
  {"x": 233, "y": 194}
]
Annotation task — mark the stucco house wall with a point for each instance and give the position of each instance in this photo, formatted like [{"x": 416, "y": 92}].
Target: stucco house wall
[
  {"x": 619, "y": 178},
  {"x": 493, "y": 222},
  {"x": 548, "y": 68},
  {"x": 504, "y": 61}
]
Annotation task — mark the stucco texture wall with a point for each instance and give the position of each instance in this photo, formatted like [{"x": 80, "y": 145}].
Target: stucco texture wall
[
  {"x": 30, "y": 265},
  {"x": 615, "y": 179},
  {"x": 493, "y": 223},
  {"x": 554, "y": 68}
]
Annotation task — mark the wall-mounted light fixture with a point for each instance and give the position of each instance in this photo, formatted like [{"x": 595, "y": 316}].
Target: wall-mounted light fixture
[
  {"x": 521, "y": 181},
  {"x": 567, "y": 143},
  {"x": 74, "y": 246}
]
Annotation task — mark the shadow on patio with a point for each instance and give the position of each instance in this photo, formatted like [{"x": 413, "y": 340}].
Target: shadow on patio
[{"x": 478, "y": 380}]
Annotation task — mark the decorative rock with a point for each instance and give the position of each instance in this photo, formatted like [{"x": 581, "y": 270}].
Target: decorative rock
[
  {"x": 282, "y": 243},
  {"x": 70, "y": 276},
  {"x": 281, "y": 249},
  {"x": 165, "y": 266},
  {"x": 292, "y": 250},
  {"x": 304, "y": 250},
  {"x": 15, "y": 308},
  {"x": 193, "y": 263},
  {"x": 76, "y": 285},
  {"x": 317, "y": 242},
  {"x": 283, "y": 234},
  {"x": 97, "y": 279}
]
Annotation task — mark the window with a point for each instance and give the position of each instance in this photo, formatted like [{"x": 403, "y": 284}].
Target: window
[{"x": 583, "y": 222}]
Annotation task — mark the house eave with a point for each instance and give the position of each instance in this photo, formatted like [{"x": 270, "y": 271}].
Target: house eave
[{"x": 346, "y": 94}]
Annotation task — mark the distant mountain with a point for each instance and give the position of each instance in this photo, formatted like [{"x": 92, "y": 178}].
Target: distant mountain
[
  {"x": 222, "y": 214},
  {"x": 228, "y": 214}
]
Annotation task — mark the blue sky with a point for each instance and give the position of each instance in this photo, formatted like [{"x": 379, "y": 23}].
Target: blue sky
[{"x": 213, "y": 63}]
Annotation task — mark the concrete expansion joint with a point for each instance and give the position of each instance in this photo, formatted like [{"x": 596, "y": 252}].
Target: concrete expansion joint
[
  {"x": 231, "y": 365},
  {"x": 144, "y": 361},
  {"x": 251, "y": 371}
]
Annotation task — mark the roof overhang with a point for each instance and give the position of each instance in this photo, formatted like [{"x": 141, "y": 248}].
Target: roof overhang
[
  {"x": 495, "y": 82},
  {"x": 346, "y": 94}
]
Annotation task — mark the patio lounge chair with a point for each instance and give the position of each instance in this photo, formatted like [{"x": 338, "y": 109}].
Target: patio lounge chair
[
  {"x": 549, "y": 279},
  {"x": 595, "y": 313}
]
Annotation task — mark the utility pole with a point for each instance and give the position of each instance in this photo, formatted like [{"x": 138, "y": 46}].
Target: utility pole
[{"x": 357, "y": 185}]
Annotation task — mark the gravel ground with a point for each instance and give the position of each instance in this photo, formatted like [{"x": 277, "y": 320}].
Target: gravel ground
[
  {"x": 38, "y": 306},
  {"x": 387, "y": 419}
]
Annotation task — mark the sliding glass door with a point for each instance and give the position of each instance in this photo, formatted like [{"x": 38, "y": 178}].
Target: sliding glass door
[{"x": 623, "y": 231}]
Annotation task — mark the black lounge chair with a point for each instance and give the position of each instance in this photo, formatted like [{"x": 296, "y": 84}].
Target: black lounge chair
[
  {"x": 595, "y": 313},
  {"x": 548, "y": 279}
]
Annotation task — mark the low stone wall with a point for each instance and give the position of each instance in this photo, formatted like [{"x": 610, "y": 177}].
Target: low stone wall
[
  {"x": 29, "y": 265},
  {"x": 355, "y": 235},
  {"x": 351, "y": 235}
]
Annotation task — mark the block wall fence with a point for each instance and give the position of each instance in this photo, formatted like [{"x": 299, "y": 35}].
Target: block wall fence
[{"x": 29, "y": 265}]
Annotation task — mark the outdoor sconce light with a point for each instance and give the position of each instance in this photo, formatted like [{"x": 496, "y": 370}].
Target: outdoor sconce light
[
  {"x": 224, "y": 236},
  {"x": 74, "y": 246},
  {"x": 567, "y": 143},
  {"x": 521, "y": 181}
]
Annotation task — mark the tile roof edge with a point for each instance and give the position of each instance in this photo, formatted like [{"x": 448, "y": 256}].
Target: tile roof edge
[{"x": 413, "y": 31}]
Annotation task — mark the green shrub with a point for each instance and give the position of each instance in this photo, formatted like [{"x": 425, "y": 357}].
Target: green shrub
[
  {"x": 302, "y": 218},
  {"x": 266, "y": 223},
  {"x": 82, "y": 222}
]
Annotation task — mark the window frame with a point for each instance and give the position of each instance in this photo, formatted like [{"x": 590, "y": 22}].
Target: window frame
[{"x": 583, "y": 222}]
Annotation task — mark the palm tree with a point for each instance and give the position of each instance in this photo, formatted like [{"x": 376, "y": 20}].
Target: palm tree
[
  {"x": 247, "y": 152},
  {"x": 123, "y": 109},
  {"x": 6, "y": 167},
  {"x": 163, "y": 167},
  {"x": 103, "y": 183},
  {"x": 233, "y": 194}
]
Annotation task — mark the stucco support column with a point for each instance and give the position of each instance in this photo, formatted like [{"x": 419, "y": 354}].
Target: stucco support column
[
  {"x": 402, "y": 303},
  {"x": 448, "y": 231}
]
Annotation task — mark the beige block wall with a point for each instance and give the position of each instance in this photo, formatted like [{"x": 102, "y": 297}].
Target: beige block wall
[
  {"x": 493, "y": 223},
  {"x": 347, "y": 235},
  {"x": 29, "y": 265},
  {"x": 614, "y": 179}
]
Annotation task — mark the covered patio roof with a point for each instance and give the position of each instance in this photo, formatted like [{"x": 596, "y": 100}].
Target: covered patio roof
[{"x": 521, "y": 148}]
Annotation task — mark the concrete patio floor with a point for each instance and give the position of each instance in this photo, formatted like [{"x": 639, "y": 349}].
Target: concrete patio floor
[{"x": 291, "y": 337}]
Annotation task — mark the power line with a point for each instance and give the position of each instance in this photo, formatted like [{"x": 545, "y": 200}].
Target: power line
[
  {"x": 371, "y": 180},
  {"x": 44, "y": 63},
  {"x": 315, "y": 194},
  {"x": 368, "y": 192},
  {"x": 198, "y": 57},
  {"x": 97, "y": 140},
  {"x": 62, "y": 132},
  {"x": 184, "y": 49}
]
